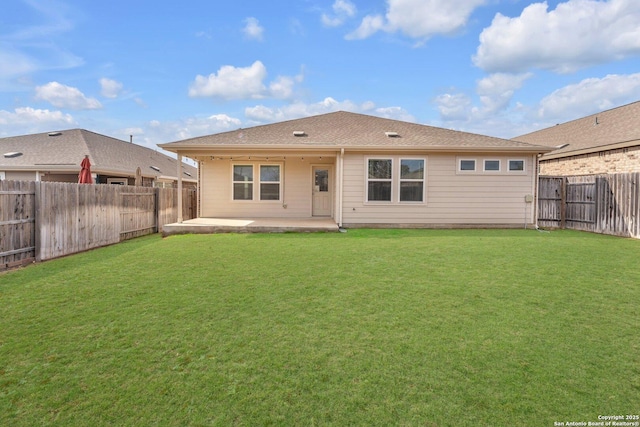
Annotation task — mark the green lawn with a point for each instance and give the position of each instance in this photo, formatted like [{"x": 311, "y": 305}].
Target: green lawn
[{"x": 371, "y": 327}]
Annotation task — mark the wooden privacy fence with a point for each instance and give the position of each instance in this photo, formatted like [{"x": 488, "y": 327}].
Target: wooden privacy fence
[
  {"x": 607, "y": 204},
  {"x": 44, "y": 220}
]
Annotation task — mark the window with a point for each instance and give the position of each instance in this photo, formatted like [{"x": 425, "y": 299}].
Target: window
[
  {"x": 467, "y": 165},
  {"x": 269, "y": 182},
  {"x": 379, "y": 180},
  {"x": 242, "y": 182},
  {"x": 492, "y": 165},
  {"x": 516, "y": 165},
  {"x": 411, "y": 180},
  {"x": 117, "y": 181}
]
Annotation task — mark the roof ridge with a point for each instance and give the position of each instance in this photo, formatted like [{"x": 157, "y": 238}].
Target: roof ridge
[{"x": 583, "y": 118}]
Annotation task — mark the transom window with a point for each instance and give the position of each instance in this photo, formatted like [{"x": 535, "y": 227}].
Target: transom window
[
  {"x": 516, "y": 165},
  {"x": 467, "y": 165},
  {"x": 492, "y": 165},
  {"x": 379, "y": 180}
]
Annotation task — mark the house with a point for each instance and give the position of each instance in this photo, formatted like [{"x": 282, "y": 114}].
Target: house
[
  {"x": 606, "y": 142},
  {"x": 56, "y": 156},
  {"x": 365, "y": 171}
]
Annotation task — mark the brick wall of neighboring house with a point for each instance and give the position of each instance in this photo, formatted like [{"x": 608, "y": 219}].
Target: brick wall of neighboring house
[{"x": 613, "y": 161}]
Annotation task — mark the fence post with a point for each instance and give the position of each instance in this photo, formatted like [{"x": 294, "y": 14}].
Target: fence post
[
  {"x": 156, "y": 204},
  {"x": 38, "y": 220},
  {"x": 563, "y": 203}
]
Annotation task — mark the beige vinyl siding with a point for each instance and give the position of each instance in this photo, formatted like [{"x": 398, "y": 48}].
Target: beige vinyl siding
[
  {"x": 450, "y": 198},
  {"x": 20, "y": 176},
  {"x": 296, "y": 191}
]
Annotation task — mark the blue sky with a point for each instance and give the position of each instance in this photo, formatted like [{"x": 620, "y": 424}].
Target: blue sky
[{"x": 164, "y": 70}]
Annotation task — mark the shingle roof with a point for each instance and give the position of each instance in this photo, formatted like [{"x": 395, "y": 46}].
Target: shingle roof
[
  {"x": 64, "y": 150},
  {"x": 349, "y": 130},
  {"x": 618, "y": 126}
]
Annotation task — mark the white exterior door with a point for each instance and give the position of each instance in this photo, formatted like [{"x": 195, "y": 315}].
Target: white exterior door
[{"x": 322, "y": 194}]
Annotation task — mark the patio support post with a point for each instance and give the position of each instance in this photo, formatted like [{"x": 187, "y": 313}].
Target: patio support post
[{"x": 179, "y": 187}]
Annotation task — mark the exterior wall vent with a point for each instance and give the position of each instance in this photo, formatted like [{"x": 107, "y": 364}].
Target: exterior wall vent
[
  {"x": 392, "y": 134},
  {"x": 12, "y": 154},
  {"x": 298, "y": 133},
  {"x": 54, "y": 133}
]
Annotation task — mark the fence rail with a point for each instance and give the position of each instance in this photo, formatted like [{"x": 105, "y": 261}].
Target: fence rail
[
  {"x": 606, "y": 204},
  {"x": 44, "y": 220}
]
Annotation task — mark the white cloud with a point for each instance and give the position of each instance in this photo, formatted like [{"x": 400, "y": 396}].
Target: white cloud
[
  {"x": 110, "y": 88},
  {"x": 30, "y": 120},
  {"x": 419, "y": 19},
  {"x": 589, "y": 96},
  {"x": 253, "y": 30},
  {"x": 243, "y": 83},
  {"x": 282, "y": 87},
  {"x": 342, "y": 10},
  {"x": 370, "y": 25},
  {"x": 231, "y": 83},
  {"x": 578, "y": 33},
  {"x": 157, "y": 132},
  {"x": 493, "y": 116},
  {"x": 62, "y": 96},
  {"x": 263, "y": 114},
  {"x": 496, "y": 90},
  {"x": 453, "y": 106}
]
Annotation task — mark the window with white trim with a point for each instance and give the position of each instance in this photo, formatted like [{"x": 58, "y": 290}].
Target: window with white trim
[
  {"x": 269, "y": 182},
  {"x": 467, "y": 165},
  {"x": 412, "y": 180},
  {"x": 491, "y": 165},
  {"x": 516, "y": 165},
  {"x": 242, "y": 182},
  {"x": 379, "y": 179}
]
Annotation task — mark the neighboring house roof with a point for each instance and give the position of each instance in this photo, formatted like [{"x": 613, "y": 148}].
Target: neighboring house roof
[
  {"x": 64, "y": 150},
  {"x": 350, "y": 131},
  {"x": 607, "y": 130}
]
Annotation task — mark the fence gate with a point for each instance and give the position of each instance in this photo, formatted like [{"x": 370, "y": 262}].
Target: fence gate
[
  {"x": 17, "y": 223},
  {"x": 137, "y": 212},
  {"x": 581, "y": 202},
  {"x": 551, "y": 202}
]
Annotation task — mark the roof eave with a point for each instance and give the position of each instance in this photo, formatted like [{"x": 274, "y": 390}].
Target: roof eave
[
  {"x": 204, "y": 150},
  {"x": 591, "y": 150}
]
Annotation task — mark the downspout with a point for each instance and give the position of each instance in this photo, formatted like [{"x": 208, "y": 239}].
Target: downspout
[
  {"x": 340, "y": 184},
  {"x": 536, "y": 181},
  {"x": 283, "y": 181},
  {"x": 179, "y": 188}
]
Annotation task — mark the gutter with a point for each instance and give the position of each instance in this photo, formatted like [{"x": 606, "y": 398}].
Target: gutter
[
  {"x": 208, "y": 150},
  {"x": 591, "y": 150}
]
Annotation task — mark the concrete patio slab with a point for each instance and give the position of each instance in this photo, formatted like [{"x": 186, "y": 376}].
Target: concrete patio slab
[{"x": 246, "y": 225}]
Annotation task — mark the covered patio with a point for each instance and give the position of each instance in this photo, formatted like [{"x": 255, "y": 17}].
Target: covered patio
[{"x": 249, "y": 225}]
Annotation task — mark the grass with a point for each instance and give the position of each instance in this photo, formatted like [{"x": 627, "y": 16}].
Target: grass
[{"x": 371, "y": 327}]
